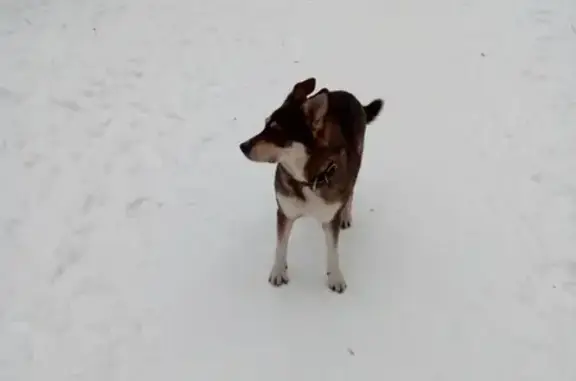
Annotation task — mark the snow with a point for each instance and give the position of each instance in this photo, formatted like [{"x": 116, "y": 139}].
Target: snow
[{"x": 136, "y": 240}]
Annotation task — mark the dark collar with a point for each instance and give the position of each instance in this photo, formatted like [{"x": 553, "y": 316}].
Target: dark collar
[{"x": 321, "y": 179}]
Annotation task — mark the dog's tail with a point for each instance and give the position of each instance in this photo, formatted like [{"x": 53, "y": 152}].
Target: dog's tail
[{"x": 372, "y": 110}]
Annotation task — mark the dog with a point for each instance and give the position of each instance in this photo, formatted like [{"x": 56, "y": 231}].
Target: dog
[{"x": 317, "y": 143}]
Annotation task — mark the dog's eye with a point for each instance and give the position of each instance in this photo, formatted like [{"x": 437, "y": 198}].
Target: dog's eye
[{"x": 273, "y": 125}]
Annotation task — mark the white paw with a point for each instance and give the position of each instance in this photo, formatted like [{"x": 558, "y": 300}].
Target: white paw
[
  {"x": 278, "y": 275},
  {"x": 336, "y": 281},
  {"x": 346, "y": 217},
  {"x": 346, "y": 221}
]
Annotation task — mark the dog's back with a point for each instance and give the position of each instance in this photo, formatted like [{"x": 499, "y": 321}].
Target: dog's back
[{"x": 349, "y": 117}]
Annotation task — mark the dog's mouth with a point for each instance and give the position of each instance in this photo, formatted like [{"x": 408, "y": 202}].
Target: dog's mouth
[
  {"x": 269, "y": 160},
  {"x": 260, "y": 152}
]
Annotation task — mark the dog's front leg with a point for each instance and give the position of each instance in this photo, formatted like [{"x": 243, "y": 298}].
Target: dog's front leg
[
  {"x": 336, "y": 280},
  {"x": 346, "y": 216},
  {"x": 279, "y": 273}
]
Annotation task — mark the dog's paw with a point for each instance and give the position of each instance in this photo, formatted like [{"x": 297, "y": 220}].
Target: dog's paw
[
  {"x": 278, "y": 276},
  {"x": 345, "y": 220},
  {"x": 336, "y": 282}
]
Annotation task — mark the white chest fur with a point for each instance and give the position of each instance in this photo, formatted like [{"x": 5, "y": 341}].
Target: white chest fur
[{"x": 312, "y": 206}]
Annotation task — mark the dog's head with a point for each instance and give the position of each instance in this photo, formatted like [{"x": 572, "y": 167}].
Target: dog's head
[{"x": 288, "y": 134}]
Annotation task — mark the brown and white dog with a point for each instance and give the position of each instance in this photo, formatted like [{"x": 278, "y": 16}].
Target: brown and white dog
[{"x": 317, "y": 143}]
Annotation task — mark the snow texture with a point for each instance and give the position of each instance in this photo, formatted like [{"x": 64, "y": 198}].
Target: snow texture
[{"x": 136, "y": 240}]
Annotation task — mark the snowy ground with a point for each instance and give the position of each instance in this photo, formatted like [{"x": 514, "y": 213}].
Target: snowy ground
[{"x": 136, "y": 241}]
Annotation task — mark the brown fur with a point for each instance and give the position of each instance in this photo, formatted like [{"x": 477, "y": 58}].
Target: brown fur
[{"x": 305, "y": 136}]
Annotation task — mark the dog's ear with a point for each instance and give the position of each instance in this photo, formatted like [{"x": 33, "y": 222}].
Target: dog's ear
[
  {"x": 302, "y": 89},
  {"x": 315, "y": 108}
]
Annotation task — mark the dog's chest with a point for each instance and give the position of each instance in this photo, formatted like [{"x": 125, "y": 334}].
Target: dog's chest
[{"x": 312, "y": 206}]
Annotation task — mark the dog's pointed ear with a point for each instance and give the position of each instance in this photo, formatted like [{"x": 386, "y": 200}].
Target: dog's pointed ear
[
  {"x": 315, "y": 108},
  {"x": 302, "y": 89}
]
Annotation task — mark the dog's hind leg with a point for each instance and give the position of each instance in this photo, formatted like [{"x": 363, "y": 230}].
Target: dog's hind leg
[
  {"x": 279, "y": 273},
  {"x": 336, "y": 280},
  {"x": 346, "y": 214}
]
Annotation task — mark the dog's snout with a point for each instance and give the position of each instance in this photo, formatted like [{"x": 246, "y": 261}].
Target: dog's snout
[{"x": 245, "y": 148}]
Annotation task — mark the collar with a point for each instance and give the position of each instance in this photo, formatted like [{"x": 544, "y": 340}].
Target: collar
[{"x": 321, "y": 179}]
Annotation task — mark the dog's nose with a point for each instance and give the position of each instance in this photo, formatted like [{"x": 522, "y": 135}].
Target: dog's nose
[{"x": 245, "y": 148}]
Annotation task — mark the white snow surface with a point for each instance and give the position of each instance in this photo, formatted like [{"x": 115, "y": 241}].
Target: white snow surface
[{"x": 136, "y": 240}]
